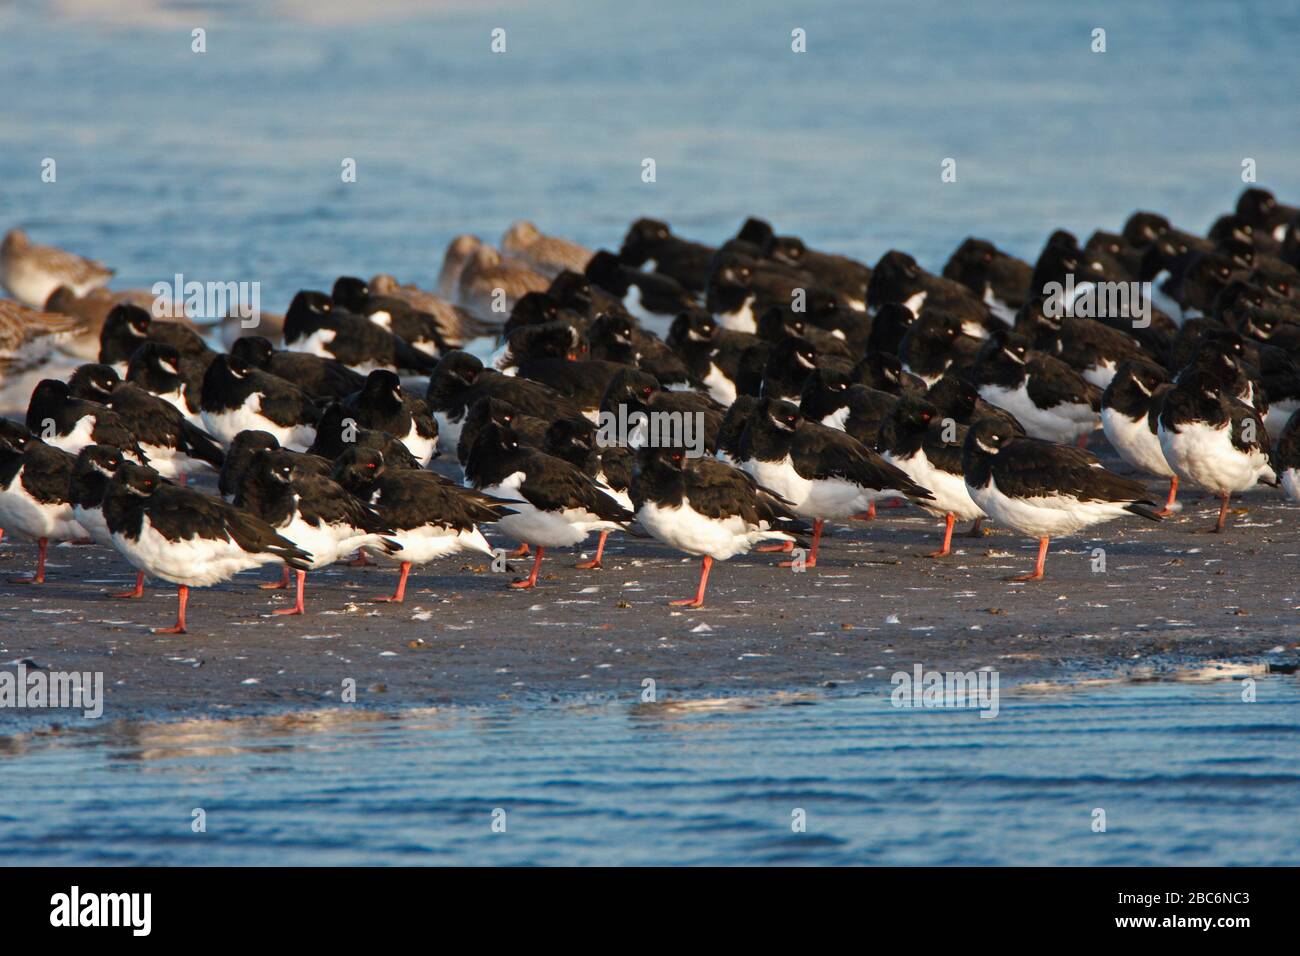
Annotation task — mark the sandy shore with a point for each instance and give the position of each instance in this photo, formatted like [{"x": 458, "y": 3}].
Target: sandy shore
[{"x": 1170, "y": 595}]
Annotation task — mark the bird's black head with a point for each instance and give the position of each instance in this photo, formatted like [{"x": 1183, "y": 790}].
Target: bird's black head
[
  {"x": 358, "y": 467},
  {"x": 732, "y": 273},
  {"x": 533, "y": 308},
  {"x": 781, "y": 415},
  {"x": 350, "y": 293},
  {"x": 275, "y": 465},
  {"x": 139, "y": 480},
  {"x": 309, "y": 302},
  {"x": 1144, "y": 228},
  {"x": 94, "y": 382},
  {"x": 612, "y": 328},
  {"x": 381, "y": 384},
  {"x": 457, "y": 367},
  {"x": 655, "y": 458},
  {"x": 759, "y": 232},
  {"x": 103, "y": 460},
  {"x": 1145, "y": 376},
  {"x": 154, "y": 361},
  {"x": 571, "y": 290},
  {"x": 250, "y": 441},
  {"x": 643, "y": 238},
  {"x": 911, "y": 414},
  {"x": 605, "y": 270},
  {"x": 1257, "y": 207},
  {"x": 570, "y": 437},
  {"x": 551, "y": 340},
  {"x": 796, "y": 354},
  {"x": 14, "y": 436},
  {"x": 255, "y": 350},
  {"x": 954, "y": 395},
  {"x": 692, "y": 326},
  {"x": 1232, "y": 226},
  {"x": 128, "y": 319},
  {"x": 988, "y": 436},
  {"x": 630, "y": 387}
]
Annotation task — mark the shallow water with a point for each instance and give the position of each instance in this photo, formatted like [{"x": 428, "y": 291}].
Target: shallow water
[{"x": 1186, "y": 774}]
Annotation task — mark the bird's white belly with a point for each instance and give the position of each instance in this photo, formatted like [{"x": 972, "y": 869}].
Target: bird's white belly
[
  {"x": 951, "y": 495},
  {"x": 1206, "y": 457},
  {"x": 741, "y": 319},
  {"x": 22, "y": 513},
  {"x": 1062, "y": 423},
  {"x": 1135, "y": 442},
  {"x": 1043, "y": 517},
  {"x": 687, "y": 530},
  {"x": 197, "y": 562},
  {"x": 721, "y": 389},
  {"x": 781, "y": 478}
]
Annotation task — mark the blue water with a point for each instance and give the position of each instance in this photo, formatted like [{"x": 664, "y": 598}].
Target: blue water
[
  {"x": 1186, "y": 774},
  {"x": 226, "y": 166}
]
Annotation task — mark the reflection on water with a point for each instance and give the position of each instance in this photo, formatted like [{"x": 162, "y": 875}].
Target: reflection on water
[{"x": 1187, "y": 774}]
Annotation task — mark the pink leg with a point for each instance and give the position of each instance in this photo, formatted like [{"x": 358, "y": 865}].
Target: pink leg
[
  {"x": 399, "y": 595},
  {"x": 948, "y": 521},
  {"x": 183, "y": 598},
  {"x": 139, "y": 588},
  {"x": 277, "y": 585},
  {"x": 816, "y": 543},
  {"x": 594, "y": 563},
  {"x": 1038, "y": 568},
  {"x": 531, "y": 580},
  {"x": 43, "y": 545},
  {"x": 698, "y": 600},
  {"x": 298, "y": 607}
]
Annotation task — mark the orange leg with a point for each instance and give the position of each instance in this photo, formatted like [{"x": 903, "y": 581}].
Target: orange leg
[
  {"x": 1038, "y": 568},
  {"x": 43, "y": 545},
  {"x": 1223, "y": 511},
  {"x": 298, "y": 607},
  {"x": 139, "y": 588},
  {"x": 594, "y": 563},
  {"x": 531, "y": 580},
  {"x": 183, "y": 598},
  {"x": 277, "y": 585},
  {"x": 1168, "y": 509},
  {"x": 399, "y": 595},
  {"x": 975, "y": 530},
  {"x": 698, "y": 600},
  {"x": 519, "y": 552},
  {"x": 816, "y": 541},
  {"x": 775, "y": 548},
  {"x": 948, "y": 521},
  {"x": 360, "y": 561},
  {"x": 1083, "y": 441}
]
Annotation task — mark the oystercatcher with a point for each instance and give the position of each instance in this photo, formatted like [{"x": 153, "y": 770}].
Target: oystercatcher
[
  {"x": 650, "y": 246},
  {"x": 653, "y": 298},
  {"x": 175, "y": 448},
  {"x": 553, "y": 503},
  {"x": 91, "y": 472},
  {"x": 574, "y": 440},
  {"x": 318, "y": 515},
  {"x": 156, "y": 367},
  {"x": 825, "y": 474},
  {"x": 381, "y": 405},
  {"x": 529, "y": 429},
  {"x": 337, "y": 431},
  {"x": 1130, "y": 410},
  {"x": 313, "y": 324},
  {"x": 418, "y": 329},
  {"x": 237, "y": 473},
  {"x": 65, "y": 421},
  {"x": 429, "y": 516},
  {"x": 34, "y": 500},
  {"x": 1288, "y": 457},
  {"x": 1044, "y": 489},
  {"x": 460, "y": 380},
  {"x": 1051, "y": 400},
  {"x": 455, "y": 325},
  {"x": 707, "y": 508},
  {"x": 186, "y": 537},
  {"x": 1211, "y": 438},
  {"x": 318, "y": 377},
  {"x": 237, "y": 397},
  {"x": 915, "y": 438}
]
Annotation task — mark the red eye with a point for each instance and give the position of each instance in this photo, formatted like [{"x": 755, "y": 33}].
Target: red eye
[
  {"x": 371, "y": 465},
  {"x": 647, "y": 390}
]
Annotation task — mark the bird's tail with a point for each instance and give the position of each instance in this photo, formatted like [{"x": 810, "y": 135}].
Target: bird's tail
[{"x": 1146, "y": 509}]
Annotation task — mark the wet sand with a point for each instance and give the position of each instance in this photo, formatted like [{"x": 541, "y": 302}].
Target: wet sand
[{"x": 1170, "y": 595}]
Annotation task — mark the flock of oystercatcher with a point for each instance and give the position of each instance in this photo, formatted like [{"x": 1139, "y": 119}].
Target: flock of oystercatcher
[{"x": 818, "y": 387}]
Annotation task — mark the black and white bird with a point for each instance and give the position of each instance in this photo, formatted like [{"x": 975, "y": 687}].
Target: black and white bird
[
  {"x": 705, "y": 508},
  {"x": 428, "y": 516},
  {"x": 318, "y": 515},
  {"x": 575, "y": 441},
  {"x": 652, "y": 298},
  {"x": 1043, "y": 489},
  {"x": 553, "y": 504},
  {"x": 529, "y": 429},
  {"x": 460, "y": 380},
  {"x": 187, "y": 538},
  {"x": 91, "y": 472},
  {"x": 915, "y": 438},
  {"x": 711, "y": 354},
  {"x": 237, "y": 472},
  {"x": 1211, "y": 438},
  {"x": 381, "y": 405},
  {"x": 65, "y": 421},
  {"x": 1047, "y": 397},
  {"x": 318, "y": 377},
  {"x": 1130, "y": 412},
  {"x": 156, "y": 367},
  {"x": 237, "y": 397},
  {"x": 175, "y": 448},
  {"x": 418, "y": 329},
  {"x": 34, "y": 500},
  {"x": 825, "y": 474},
  {"x": 313, "y": 324}
]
